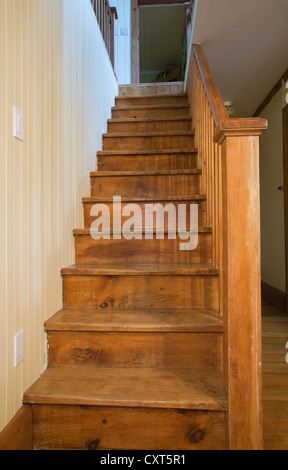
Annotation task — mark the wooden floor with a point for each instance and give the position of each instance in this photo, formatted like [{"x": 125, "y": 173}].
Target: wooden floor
[{"x": 275, "y": 378}]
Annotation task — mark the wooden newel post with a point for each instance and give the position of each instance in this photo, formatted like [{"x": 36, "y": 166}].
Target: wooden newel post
[{"x": 241, "y": 281}]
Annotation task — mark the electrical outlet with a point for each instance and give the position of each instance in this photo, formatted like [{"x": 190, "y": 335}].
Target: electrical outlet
[{"x": 18, "y": 348}]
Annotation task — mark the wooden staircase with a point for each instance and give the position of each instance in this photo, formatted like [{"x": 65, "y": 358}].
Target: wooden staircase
[
  {"x": 155, "y": 347},
  {"x": 136, "y": 354}
]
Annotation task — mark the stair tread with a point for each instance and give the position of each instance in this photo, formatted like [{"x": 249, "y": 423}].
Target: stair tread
[
  {"x": 153, "y": 96},
  {"x": 145, "y": 119},
  {"x": 148, "y": 134},
  {"x": 191, "y": 197},
  {"x": 149, "y": 388},
  {"x": 152, "y": 106},
  {"x": 172, "y": 320},
  {"x": 113, "y": 173},
  {"x": 130, "y": 269},
  {"x": 145, "y": 152},
  {"x": 87, "y": 231}
]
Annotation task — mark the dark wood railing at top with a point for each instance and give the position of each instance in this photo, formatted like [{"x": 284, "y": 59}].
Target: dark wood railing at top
[
  {"x": 228, "y": 152},
  {"x": 106, "y": 17}
]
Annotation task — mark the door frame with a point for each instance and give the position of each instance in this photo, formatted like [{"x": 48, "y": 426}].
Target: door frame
[
  {"x": 285, "y": 173},
  {"x": 135, "y": 49}
]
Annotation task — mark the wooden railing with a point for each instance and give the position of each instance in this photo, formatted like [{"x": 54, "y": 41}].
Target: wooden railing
[
  {"x": 189, "y": 18},
  {"x": 106, "y": 17},
  {"x": 229, "y": 156}
]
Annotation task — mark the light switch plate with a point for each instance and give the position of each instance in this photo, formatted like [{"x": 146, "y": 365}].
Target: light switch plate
[
  {"x": 18, "y": 348},
  {"x": 18, "y": 124},
  {"x": 124, "y": 31}
]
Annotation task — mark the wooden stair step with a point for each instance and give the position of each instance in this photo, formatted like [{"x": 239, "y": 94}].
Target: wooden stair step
[
  {"x": 152, "y": 231},
  {"x": 84, "y": 408},
  {"x": 130, "y": 269},
  {"x": 200, "y": 200},
  {"x": 151, "y": 111},
  {"x": 68, "y": 427},
  {"x": 114, "y": 174},
  {"x": 156, "y": 88},
  {"x": 147, "y": 120},
  {"x": 115, "y": 289},
  {"x": 125, "y": 387},
  {"x": 153, "y": 160},
  {"x": 126, "y": 286},
  {"x": 145, "y": 184},
  {"x": 148, "y": 140},
  {"x": 149, "y": 199},
  {"x": 143, "y": 153},
  {"x": 164, "y": 124},
  {"x": 178, "y": 98},
  {"x": 150, "y": 345},
  {"x": 157, "y": 320},
  {"x": 140, "y": 249}
]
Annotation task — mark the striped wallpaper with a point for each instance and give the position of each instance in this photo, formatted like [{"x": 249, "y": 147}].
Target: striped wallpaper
[{"x": 54, "y": 68}]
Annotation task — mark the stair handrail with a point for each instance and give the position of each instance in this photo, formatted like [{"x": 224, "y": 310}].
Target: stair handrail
[
  {"x": 228, "y": 153},
  {"x": 216, "y": 102}
]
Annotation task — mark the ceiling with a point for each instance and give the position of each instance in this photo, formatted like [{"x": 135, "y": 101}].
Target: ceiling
[
  {"x": 246, "y": 44},
  {"x": 161, "y": 32}
]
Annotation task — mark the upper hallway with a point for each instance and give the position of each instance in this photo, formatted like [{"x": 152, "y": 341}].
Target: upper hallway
[{"x": 245, "y": 43}]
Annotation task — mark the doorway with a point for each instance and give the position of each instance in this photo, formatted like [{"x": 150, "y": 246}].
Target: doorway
[
  {"x": 159, "y": 29},
  {"x": 285, "y": 187},
  {"x": 273, "y": 195}
]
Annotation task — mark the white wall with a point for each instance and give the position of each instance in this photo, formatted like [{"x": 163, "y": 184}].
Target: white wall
[
  {"x": 272, "y": 200},
  {"x": 55, "y": 68},
  {"x": 123, "y": 41}
]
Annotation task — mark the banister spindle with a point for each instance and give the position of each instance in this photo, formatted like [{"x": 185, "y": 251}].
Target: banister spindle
[{"x": 106, "y": 17}]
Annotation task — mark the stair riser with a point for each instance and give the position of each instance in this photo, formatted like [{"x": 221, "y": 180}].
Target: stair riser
[
  {"x": 116, "y": 428},
  {"x": 140, "y": 292},
  {"x": 202, "y": 213},
  {"x": 153, "y": 89},
  {"x": 90, "y": 251},
  {"x": 147, "y": 162},
  {"x": 145, "y": 185},
  {"x": 150, "y": 126},
  {"x": 133, "y": 350},
  {"x": 150, "y": 112},
  {"x": 157, "y": 142},
  {"x": 150, "y": 100}
]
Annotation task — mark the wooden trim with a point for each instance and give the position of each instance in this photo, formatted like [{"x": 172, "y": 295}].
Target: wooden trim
[
  {"x": 212, "y": 91},
  {"x": 240, "y": 127},
  {"x": 274, "y": 296},
  {"x": 135, "y": 52},
  {"x": 271, "y": 94},
  {"x": 17, "y": 435},
  {"x": 285, "y": 172},
  {"x": 231, "y": 175},
  {"x": 142, "y": 3},
  {"x": 241, "y": 290}
]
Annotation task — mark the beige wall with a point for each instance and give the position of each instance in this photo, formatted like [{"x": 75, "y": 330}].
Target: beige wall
[
  {"x": 272, "y": 200},
  {"x": 54, "y": 67}
]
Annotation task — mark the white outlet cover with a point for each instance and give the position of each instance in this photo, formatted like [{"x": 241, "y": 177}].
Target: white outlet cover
[
  {"x": 18, "y": 124},
  {"x": 18, "y": 348}
]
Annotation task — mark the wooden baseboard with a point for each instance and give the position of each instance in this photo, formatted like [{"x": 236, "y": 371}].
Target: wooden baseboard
[
  {"x": 274, "y": 296},
  {"x": 17, "y": 435}
]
